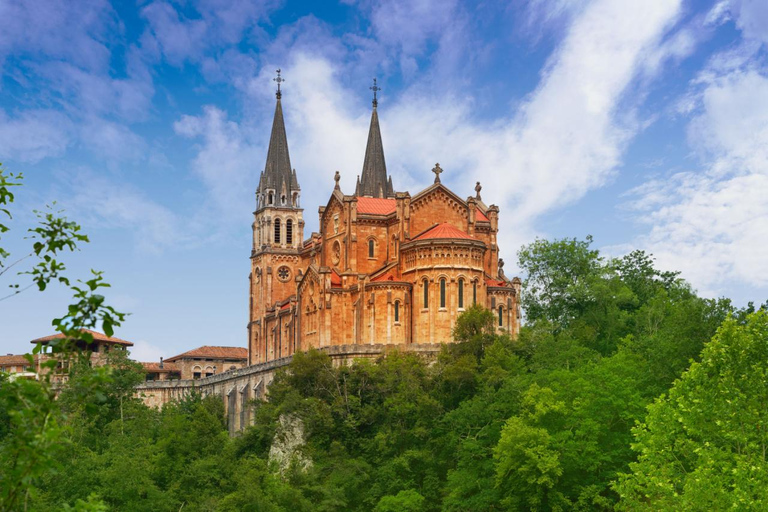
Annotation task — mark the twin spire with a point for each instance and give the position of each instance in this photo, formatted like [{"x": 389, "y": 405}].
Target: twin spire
[
  {"x": 374, "y": 182},
  {"x": 279, "y": 178}
]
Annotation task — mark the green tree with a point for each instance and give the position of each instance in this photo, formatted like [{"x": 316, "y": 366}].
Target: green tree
[
  {"x": 703, "y": 446},
  {"x": 557, "y": 276},
  {"x": 33, "y": 430}
]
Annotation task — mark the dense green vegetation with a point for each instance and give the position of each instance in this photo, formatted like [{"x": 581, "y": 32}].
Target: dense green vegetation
[{"x": 624, "y": 390}]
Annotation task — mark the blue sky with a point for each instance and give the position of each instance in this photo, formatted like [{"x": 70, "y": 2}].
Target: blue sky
[{"x": 644, "y": 124}]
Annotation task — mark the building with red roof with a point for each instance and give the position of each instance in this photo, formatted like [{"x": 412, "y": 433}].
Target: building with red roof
[
  {"x": 386, "y": 267},
  {"x": 208, "y": 360}
]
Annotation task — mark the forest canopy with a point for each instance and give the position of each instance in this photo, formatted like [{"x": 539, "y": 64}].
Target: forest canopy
[{"x": 624, "y": 390}]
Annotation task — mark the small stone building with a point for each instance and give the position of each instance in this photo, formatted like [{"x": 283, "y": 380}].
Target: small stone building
[
  {"x": 99, "y": 348},
  {"x": 18, "y": 366},
  {"x": 207, "y": 360},
  {"x": 161, "y": 371}
]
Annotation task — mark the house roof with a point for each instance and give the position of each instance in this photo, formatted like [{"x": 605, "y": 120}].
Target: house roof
[
  {"x": 443, "y": 230},
  {"x": 11, "y": 359},
  {"x": 211, "y": 352},
  {"x": 97, "y": 336},
  {"x": 482, "y": 216},
  {"x": 376, "y": 205},
  {"x": 155, "y": 367},
  {"x": 498, "y": 283}
]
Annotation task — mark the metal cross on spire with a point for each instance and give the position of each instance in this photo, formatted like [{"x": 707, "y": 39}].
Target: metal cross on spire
[
  {"x": 375, "y": 88},
  {"x": 279, "y": 80}
]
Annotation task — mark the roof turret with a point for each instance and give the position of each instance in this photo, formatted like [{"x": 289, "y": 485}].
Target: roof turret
[
  {"x": 278, "y": 175},
  {"x": 374, "y": 181}
]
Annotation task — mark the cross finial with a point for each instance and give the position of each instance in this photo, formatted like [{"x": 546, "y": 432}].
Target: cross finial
[
  {"x": 375, "y": 88},
  {"x": 279, "y": 80},
  {"x": 437, "y": 170}
]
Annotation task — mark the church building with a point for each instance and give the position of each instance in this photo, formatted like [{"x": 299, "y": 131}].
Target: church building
[{"x": 386, "y": 267}]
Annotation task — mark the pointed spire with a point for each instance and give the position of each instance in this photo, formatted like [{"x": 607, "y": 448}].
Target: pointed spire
[
  {"x": 278, "y": 175},
  {"x": 374, "y": 181}
]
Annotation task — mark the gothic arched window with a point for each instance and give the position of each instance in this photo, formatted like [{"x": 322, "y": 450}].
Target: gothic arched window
[
  {"x": 277, "y": 231},
  {"x": 461, "y": 293},
  {"x": 474, "y": 292},
  {"x": 271, "y": 198},
  {"x": 397, "y": 311},
  {"x": 501, "y": 316},
  {"x": 289, "y": 232},
  {"x": 371, "y": 248},
  {"x": 426, "y": 293},
  {"x": 442, "y": 292}
]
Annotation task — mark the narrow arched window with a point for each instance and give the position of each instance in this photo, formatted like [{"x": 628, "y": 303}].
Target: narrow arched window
[
  {"x": 289, "y": 232},
  {"x": 277, "y": 231},
  {"x": 371, "y": 248},
  {"x": 282, "y": 200},
  {"x": 426, "y": 294},
  {"x": 397, "y": 311},
  {"x": 442, "y": 293},
  {"x": 501, "y": 316},
  {"x": 271, "y": 198},
  {"x": 461, "y": 293},
  {"x": 474, "y": 292}
]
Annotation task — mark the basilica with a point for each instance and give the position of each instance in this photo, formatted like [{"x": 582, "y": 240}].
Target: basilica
[{"x": 386, "y": 268}]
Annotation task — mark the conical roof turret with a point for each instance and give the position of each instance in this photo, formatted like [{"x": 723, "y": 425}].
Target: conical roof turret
[
  {"x": 278, "y": 175},
  {"x": 374, "y": 181}
]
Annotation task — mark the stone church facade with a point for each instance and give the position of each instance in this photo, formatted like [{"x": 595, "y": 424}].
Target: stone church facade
[{"x": 386, "y": 268}]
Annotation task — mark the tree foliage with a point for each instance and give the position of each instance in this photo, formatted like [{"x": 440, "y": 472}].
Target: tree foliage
[{"x": 566, "y": 416}]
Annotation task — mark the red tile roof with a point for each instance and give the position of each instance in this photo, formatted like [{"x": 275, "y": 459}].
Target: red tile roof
[
  {"x": 97, "y": 336},
  {"x": 13, "y": 360},
  {"x": 481, "y": 216},
  {"x": 496, "y": 282},
  {"x": 285, "y": 306},
  {"x": 155, "y": 367},
  {"x": 335, "y": 279},
  {"x": 443, "y": 230},
  {"x": 375, "y": 205},
  {"x": 213, "y": 353}
]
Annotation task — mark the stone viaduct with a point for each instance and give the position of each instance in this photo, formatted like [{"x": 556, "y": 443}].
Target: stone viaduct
[{"x": 239, "y": 389}]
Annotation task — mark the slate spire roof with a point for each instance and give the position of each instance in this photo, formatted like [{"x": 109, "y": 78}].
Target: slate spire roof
[
  {"x": 278, "y": 174},
  {"x": 374, "y": 182}
]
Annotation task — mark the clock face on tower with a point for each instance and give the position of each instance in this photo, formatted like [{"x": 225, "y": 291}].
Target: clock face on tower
[{"x": 283, "y": 273}]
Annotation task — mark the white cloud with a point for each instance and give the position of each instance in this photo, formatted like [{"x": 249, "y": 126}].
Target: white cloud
[
  {"x": 225, "y": 162},
  {"x": 33, "y": 135},
  {"x": 97, "y": 201},
  {"x": 218, "y": 23},
  {"x": 146, "y": 352},
  {"x": 565, "y": 140},
  {"x": 63, "y": 30},
  {"x": 713, "y": 223}
]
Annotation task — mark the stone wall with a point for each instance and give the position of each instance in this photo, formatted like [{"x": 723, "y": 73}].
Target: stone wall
[{"x": 237, "y": 388}]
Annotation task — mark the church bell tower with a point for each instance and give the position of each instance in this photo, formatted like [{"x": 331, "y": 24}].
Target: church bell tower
[{"x": 278, "y": 232}]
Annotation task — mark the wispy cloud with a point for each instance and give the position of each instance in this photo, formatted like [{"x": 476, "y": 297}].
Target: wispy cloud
[
  {"x": 99, "y": 202},
  {"x": 564, "y": 140},
  {"x": 34, "y": 135},
  {"x": 713, "y": 222}
]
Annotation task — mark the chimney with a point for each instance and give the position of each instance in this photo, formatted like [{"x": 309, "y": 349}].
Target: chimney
[{"x": 161, "y": 362}]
